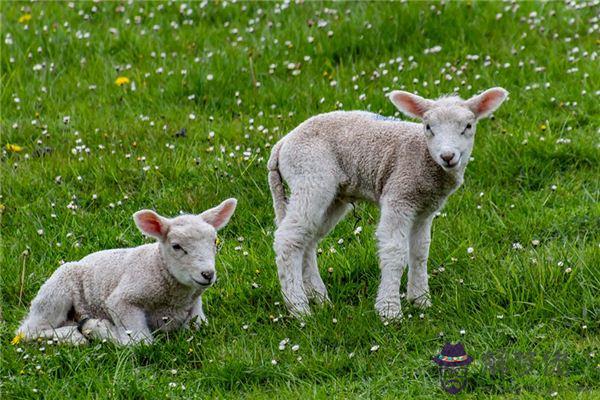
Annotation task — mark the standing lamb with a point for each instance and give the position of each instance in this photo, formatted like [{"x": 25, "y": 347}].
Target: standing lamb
[
  {"x": 125, "y": 294},
  {"x": 408, "y": 169}
]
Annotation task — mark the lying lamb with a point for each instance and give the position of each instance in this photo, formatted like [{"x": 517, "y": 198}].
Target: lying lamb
[
  {"x": 125, "y": 294},
  {"x": 408, "y": 169}
]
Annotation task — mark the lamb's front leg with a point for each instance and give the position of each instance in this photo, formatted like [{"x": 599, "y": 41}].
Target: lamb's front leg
[
  {"x": 99, "y": 329},
  {"x": 418, "y": 285},
  {"x": 130, "y": 321},
  {"x": 197, "y": 317},
  {"x": 392, "y": 234}
]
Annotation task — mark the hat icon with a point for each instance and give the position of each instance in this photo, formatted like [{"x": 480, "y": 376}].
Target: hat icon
[{"x": 453, "y": 355}]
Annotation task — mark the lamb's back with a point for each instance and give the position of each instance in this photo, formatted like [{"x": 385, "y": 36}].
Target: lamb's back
[
  {"x": 367, "y": 147},
  {"x": 103, "y": 271}
]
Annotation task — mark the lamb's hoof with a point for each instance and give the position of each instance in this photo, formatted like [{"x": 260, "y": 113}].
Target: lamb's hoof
[
  {"x": 422, "y": 302},
  {"x": 96, "y": 329},
  {"x": 389, "y": 311},
  {"x": 198, "y": 324},
  {"x": 78, "y": 340},
  {"x": 299, "y": 310},
  {"x": 320, "y": 299}
]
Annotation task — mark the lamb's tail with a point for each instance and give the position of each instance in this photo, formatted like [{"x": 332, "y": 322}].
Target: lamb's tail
[{"x": 276, "y": 184}]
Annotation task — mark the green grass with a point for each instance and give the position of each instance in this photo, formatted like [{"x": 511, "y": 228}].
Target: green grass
[{"x": 507, "y": 299}]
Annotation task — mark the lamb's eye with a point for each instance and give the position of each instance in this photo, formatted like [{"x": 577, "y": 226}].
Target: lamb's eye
[
  {"x": 428, "y": 128},
  {"x": 468, "y": 126},
  {"x": 177, "y": 247}
]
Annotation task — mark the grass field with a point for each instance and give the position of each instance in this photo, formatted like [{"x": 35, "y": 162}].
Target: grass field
[{"x": 515, "y": 257}]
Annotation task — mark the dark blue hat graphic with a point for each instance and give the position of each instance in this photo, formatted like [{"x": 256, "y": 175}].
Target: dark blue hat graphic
[{"x": 453, "y": 355}]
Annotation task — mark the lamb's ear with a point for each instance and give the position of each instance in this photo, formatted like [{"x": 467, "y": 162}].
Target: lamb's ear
[
  {"x": 151, "y": 224},
  {"x": 410, "y": 104},
  {"x": 219, "y": 216},
  {"x": 487, "y": 102}
]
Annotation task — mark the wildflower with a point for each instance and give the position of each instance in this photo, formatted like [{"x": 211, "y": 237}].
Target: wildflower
[
  {"x": 122, "y": 80},
  {"x": 470, "y": 250},
  {"x": 25, "y": 18},
  {"x": 433, "y": 50},
  {"x": 17, "y": 339},
  {"x": 14, "y": 148},
  {"x": 374, "y": 348}
]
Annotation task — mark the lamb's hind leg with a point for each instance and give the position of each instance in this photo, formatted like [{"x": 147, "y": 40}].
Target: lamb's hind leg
[
  {"x": 50, "y": 309},
  {"x": 65, "y": 334},
  {"x": 313, "y": 283},
  {"x": 304, "y": 215}
]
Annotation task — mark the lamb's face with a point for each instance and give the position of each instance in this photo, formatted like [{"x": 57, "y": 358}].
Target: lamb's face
[
  {"x": 188, "y": 242},
  {"x": 189, "y": 249},
  {"x": 450, "y": 134},
  {"x": 449, "y": 122}
]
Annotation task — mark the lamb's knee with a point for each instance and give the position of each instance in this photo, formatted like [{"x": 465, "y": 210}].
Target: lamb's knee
[{"x": 291, "y": 240}]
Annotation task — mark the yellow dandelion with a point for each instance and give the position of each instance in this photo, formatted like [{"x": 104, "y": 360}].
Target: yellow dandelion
[
  {"x": 13, "y": 148},
  {"x": 122, "y": 80},
  {"x": 25, "y": 18},
  {"x": 543, "y": 127},
  {"x": 17, "y": 339}
]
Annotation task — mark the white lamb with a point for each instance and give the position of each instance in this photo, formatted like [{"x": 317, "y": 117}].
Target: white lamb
[
  {"x": 408, "y": 169},
  {"x": 125, "y": 294}
]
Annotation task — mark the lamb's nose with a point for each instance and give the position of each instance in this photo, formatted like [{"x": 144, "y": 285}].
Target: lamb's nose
[
  {"x": 208, "y": 275},
  {"x": 447, "y": 156}
]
